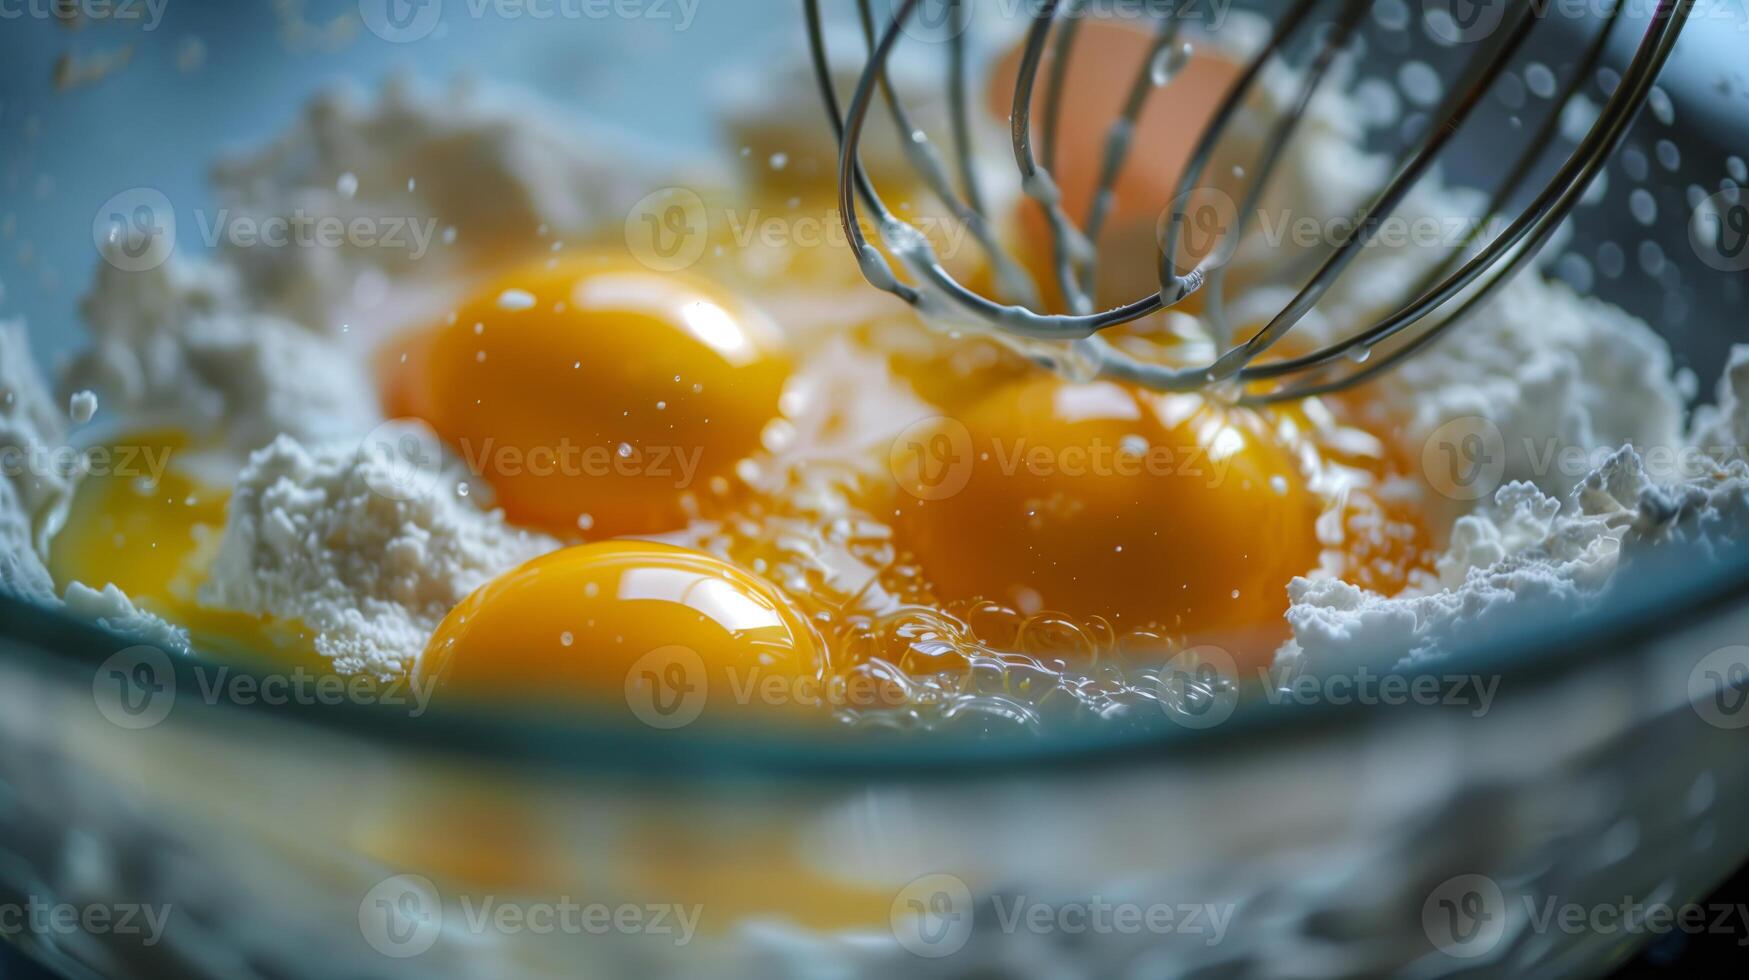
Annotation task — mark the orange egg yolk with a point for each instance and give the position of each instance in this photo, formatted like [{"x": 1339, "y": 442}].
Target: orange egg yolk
[
  {"x": 595, "y": 394},
  {"x": 151, "y": 532},
  {"x": 665, "y": 631},
  {"x": 1101, "y": 500}
]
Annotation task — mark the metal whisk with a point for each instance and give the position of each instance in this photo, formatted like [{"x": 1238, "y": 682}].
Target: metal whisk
[{"x": 1473, "y": 269}]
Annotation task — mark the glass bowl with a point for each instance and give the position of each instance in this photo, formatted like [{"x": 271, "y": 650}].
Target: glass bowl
[{"x": 206, "y": 817}]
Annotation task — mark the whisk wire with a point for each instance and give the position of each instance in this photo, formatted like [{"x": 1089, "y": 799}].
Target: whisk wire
[
  {"x": 1439, "y": 284},
  {"x": 1073, "y": 249}
]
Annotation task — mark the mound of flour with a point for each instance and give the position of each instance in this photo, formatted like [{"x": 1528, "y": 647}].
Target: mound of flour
[
  {"x": 34, "y": 493},
  {"x": 1530, "y": 547},
  {"x": 33, "y": 496},
  {"x": 180, "y": 343},
  {"x": 439, "y": 181},
  {"x": 363, "y": 543}
]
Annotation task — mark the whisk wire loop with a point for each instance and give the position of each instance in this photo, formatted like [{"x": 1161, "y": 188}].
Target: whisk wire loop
[{"x": 1469, "y": 275}]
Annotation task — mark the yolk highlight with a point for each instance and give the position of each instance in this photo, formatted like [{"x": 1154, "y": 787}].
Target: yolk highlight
[
  {"x": 1101, "y": 500},
  {"x": 597, "y": 393},
  {"x": 623, "y": 621}
]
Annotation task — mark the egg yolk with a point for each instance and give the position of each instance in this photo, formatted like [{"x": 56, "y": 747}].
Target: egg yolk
[
  {"x": 595, "y": 394},
  {"x": 657, "y": 627},
  {"x": 1102, "y": 500},
  {"x": 150, "y": 528}
]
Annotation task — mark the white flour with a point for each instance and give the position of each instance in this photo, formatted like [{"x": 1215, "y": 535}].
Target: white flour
[
  {"x": 180, "y": 343},
  {"x": 35, "y": 490},
  {"x": 36, "y": 495},
  {"x": 369, "y": 552},
  {"x": 1526, "y": 547},
  {"x": 440, "y": 181}
]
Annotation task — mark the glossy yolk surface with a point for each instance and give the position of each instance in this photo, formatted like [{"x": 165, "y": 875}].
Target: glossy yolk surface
[
  {"x": 623, "y": 621},
  {"x": 1100, "y": 500},
  {"x": 1103, "y": 67},
  {"x": 596, "y": 393}
]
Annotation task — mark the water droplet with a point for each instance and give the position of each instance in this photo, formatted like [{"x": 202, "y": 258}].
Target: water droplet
[
  {"x": 1635, "y": 164},
  {"x": 1540, "y": 80},
  {"x": 515, "y": 299},
  {"x": 1643, "y": 206},
  {"x": 565, "y": 639},
  {"x": 1420, "y": 83},
  {"x": 1576, "y": 272},
  {"x": 1669, "y": 155},
  {"x": 1659, "y": 102},
  {"x": 1651, "y": 258},
  {"x": 1169, "y": 62},
  {"x": 779, "y": 161},
  {"x": 347, "y": 185}
]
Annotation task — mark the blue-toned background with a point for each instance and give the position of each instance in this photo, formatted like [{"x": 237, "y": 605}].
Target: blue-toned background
[{"x": 155, "y": 124}]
